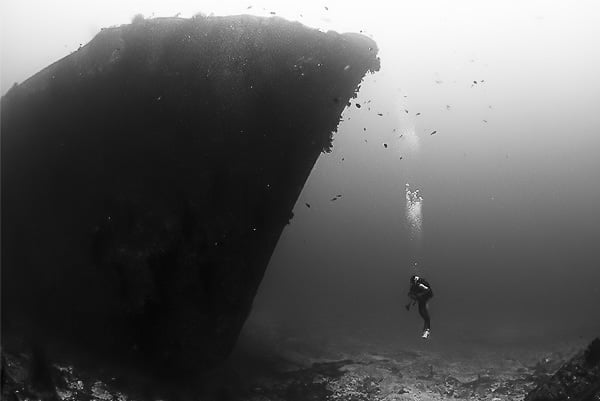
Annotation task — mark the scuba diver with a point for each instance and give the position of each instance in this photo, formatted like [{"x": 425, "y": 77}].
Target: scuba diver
[{"x": 420, "y": 291}]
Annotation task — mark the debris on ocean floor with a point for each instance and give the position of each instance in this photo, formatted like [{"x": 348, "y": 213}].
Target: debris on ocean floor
[
  {"x": 576, "y": 380},
  {"x": 360, "y": 376}
]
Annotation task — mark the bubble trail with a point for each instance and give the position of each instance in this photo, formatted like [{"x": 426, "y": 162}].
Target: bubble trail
[{"x": 414, "y": 211}]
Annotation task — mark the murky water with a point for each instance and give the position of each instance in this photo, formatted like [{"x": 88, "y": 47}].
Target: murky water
[
  {"x": 495, "y": 140},
  {"x": 472, "y": 161}
]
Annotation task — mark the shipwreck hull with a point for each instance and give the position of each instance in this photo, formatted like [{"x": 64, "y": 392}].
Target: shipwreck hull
[{"x": 147, "y": 177}]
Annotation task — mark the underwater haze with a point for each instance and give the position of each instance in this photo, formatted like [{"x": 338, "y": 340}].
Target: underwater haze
[
  {"x": 470, "y": 159},
  {"x": 507, "y": 228},
  {"x": 509, "y": 220}
]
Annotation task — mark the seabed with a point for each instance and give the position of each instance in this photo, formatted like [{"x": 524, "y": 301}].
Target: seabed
[
  {"x": 299, "y": 368},
  {"x": 358, "y": 370}
]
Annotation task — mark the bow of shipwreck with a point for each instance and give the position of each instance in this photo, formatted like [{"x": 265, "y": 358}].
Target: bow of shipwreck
[{"x": 147, "y": 177}]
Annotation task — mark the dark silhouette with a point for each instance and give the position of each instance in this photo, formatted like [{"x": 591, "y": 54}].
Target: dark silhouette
[
  {"x": 420, "y": 292},
  {"x": 147, "y": 177}
]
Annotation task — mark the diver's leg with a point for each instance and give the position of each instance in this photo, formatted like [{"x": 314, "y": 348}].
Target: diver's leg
[{"x": 424, "y": 312}]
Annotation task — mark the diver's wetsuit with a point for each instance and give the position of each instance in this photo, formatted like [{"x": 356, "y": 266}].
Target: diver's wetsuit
[{"x": 420, "y": 291}]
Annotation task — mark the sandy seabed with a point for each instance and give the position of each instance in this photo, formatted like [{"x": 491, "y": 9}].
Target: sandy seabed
[
  {"x": 353, "y": 368},
  {"x": 305, "y": 367}
]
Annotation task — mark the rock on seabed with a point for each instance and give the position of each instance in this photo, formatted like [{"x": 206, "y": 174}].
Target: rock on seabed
[{"x": 576, "y": 380}]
